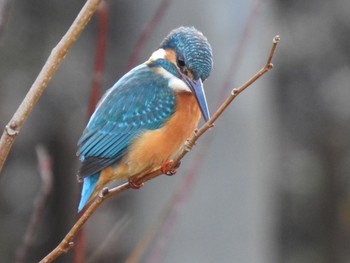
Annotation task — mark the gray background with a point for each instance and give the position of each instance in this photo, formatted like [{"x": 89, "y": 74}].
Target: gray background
[{"x": 272, "y": 184}]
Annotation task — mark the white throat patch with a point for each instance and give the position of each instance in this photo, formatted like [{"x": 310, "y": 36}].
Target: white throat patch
[
  {"x": 174, "y": 82},
  {"x": 160, "y": 53}
]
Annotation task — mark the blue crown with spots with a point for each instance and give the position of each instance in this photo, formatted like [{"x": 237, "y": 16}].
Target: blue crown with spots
[{"x": 193, "y": 48}]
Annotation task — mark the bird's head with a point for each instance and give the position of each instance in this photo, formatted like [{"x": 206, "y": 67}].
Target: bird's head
[
  {"x": 193, "y": 52},
  {"x": 187, "y": 55}
]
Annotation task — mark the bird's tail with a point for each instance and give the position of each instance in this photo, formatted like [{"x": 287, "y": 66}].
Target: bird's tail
[{"x": 88, "y": 188}]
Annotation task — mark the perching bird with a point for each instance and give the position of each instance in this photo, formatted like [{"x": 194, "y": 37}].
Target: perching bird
[{"x": 144, "y": 119}]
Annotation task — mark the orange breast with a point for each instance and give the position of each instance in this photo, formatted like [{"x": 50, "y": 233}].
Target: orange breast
[{"x": 155, "y": 147}]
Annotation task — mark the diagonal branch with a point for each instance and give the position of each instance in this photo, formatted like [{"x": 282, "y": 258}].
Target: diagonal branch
[
  {"x": 106, "y": 193},
  {"x": 155, "y": 239},
  {"x": 57, "y": 55}
]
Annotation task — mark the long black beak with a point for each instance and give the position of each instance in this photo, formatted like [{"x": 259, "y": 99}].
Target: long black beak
[{"x": 196, "y": 87}]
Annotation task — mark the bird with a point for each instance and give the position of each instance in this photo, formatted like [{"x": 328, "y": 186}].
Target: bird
[{"x": 142, "y": 121}]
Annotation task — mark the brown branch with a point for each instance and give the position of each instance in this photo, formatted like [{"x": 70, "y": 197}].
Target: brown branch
[
  {"x": 45, "y": 170},
  {"x": 106, "y": 193},
  {"x": 240, "y": 49},
  {"x": 165, "y": 225},
  {"x": 57, "y": 55},
  {"x": 67, "y": 242}
]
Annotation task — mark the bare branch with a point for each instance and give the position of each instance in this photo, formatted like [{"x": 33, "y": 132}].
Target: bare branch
[
  {"x": 240, "y": 49},
  {"x": 67, "y": 242},
  {"x": 160, "y": 233},
  {"x": 46, "y": 73}
]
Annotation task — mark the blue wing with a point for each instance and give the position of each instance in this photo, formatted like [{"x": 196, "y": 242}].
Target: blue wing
[{"x": 139, "y": 101}]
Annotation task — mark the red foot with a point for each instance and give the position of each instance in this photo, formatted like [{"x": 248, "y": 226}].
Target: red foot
[
  {"x": 135, "y": 185},
  {"x": 169, "y": 171}
]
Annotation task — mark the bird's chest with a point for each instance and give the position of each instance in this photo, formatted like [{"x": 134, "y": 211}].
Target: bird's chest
[{"x": 154, "y": 147}]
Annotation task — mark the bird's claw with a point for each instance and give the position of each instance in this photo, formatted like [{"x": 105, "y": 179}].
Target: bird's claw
[
  {"x": 166, "y": 167},
  {"x": 135, "y": 185}
]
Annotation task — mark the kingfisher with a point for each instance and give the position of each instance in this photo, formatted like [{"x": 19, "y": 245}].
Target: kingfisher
[{"x": 147, "y": 115}]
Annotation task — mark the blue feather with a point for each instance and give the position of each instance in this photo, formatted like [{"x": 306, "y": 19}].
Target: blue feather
[
  {"x": 193, "y": 48},
  {"x": 88, "y": 187},
  {"x": 139, "y": 101}
]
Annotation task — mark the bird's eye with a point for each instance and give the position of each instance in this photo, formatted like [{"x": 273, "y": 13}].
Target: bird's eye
[{"x": 180, "y": 63}]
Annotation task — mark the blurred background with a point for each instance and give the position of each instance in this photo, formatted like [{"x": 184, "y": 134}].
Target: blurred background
[{"x": 272, "y": 180}]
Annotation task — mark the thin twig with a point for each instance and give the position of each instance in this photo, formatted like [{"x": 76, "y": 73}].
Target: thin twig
[
  {"x": 164, "y": 227},
  {"x": 67, "y": 242},
  {"x": 45, "y": 170},
  {"x": 106, "y": 193},
  {"x": 57, "y": 55},
  {"x": 240, "y": 50}
]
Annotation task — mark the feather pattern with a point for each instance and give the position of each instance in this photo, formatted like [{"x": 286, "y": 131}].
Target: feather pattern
[
  {"x": 140, "y": 123},
  {"x": 139, "y": 101}
]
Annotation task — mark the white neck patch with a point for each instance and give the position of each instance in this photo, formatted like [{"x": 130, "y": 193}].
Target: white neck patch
[
  {"x": 160, "y": 53},
  {"x": 174, "y": 82}
]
